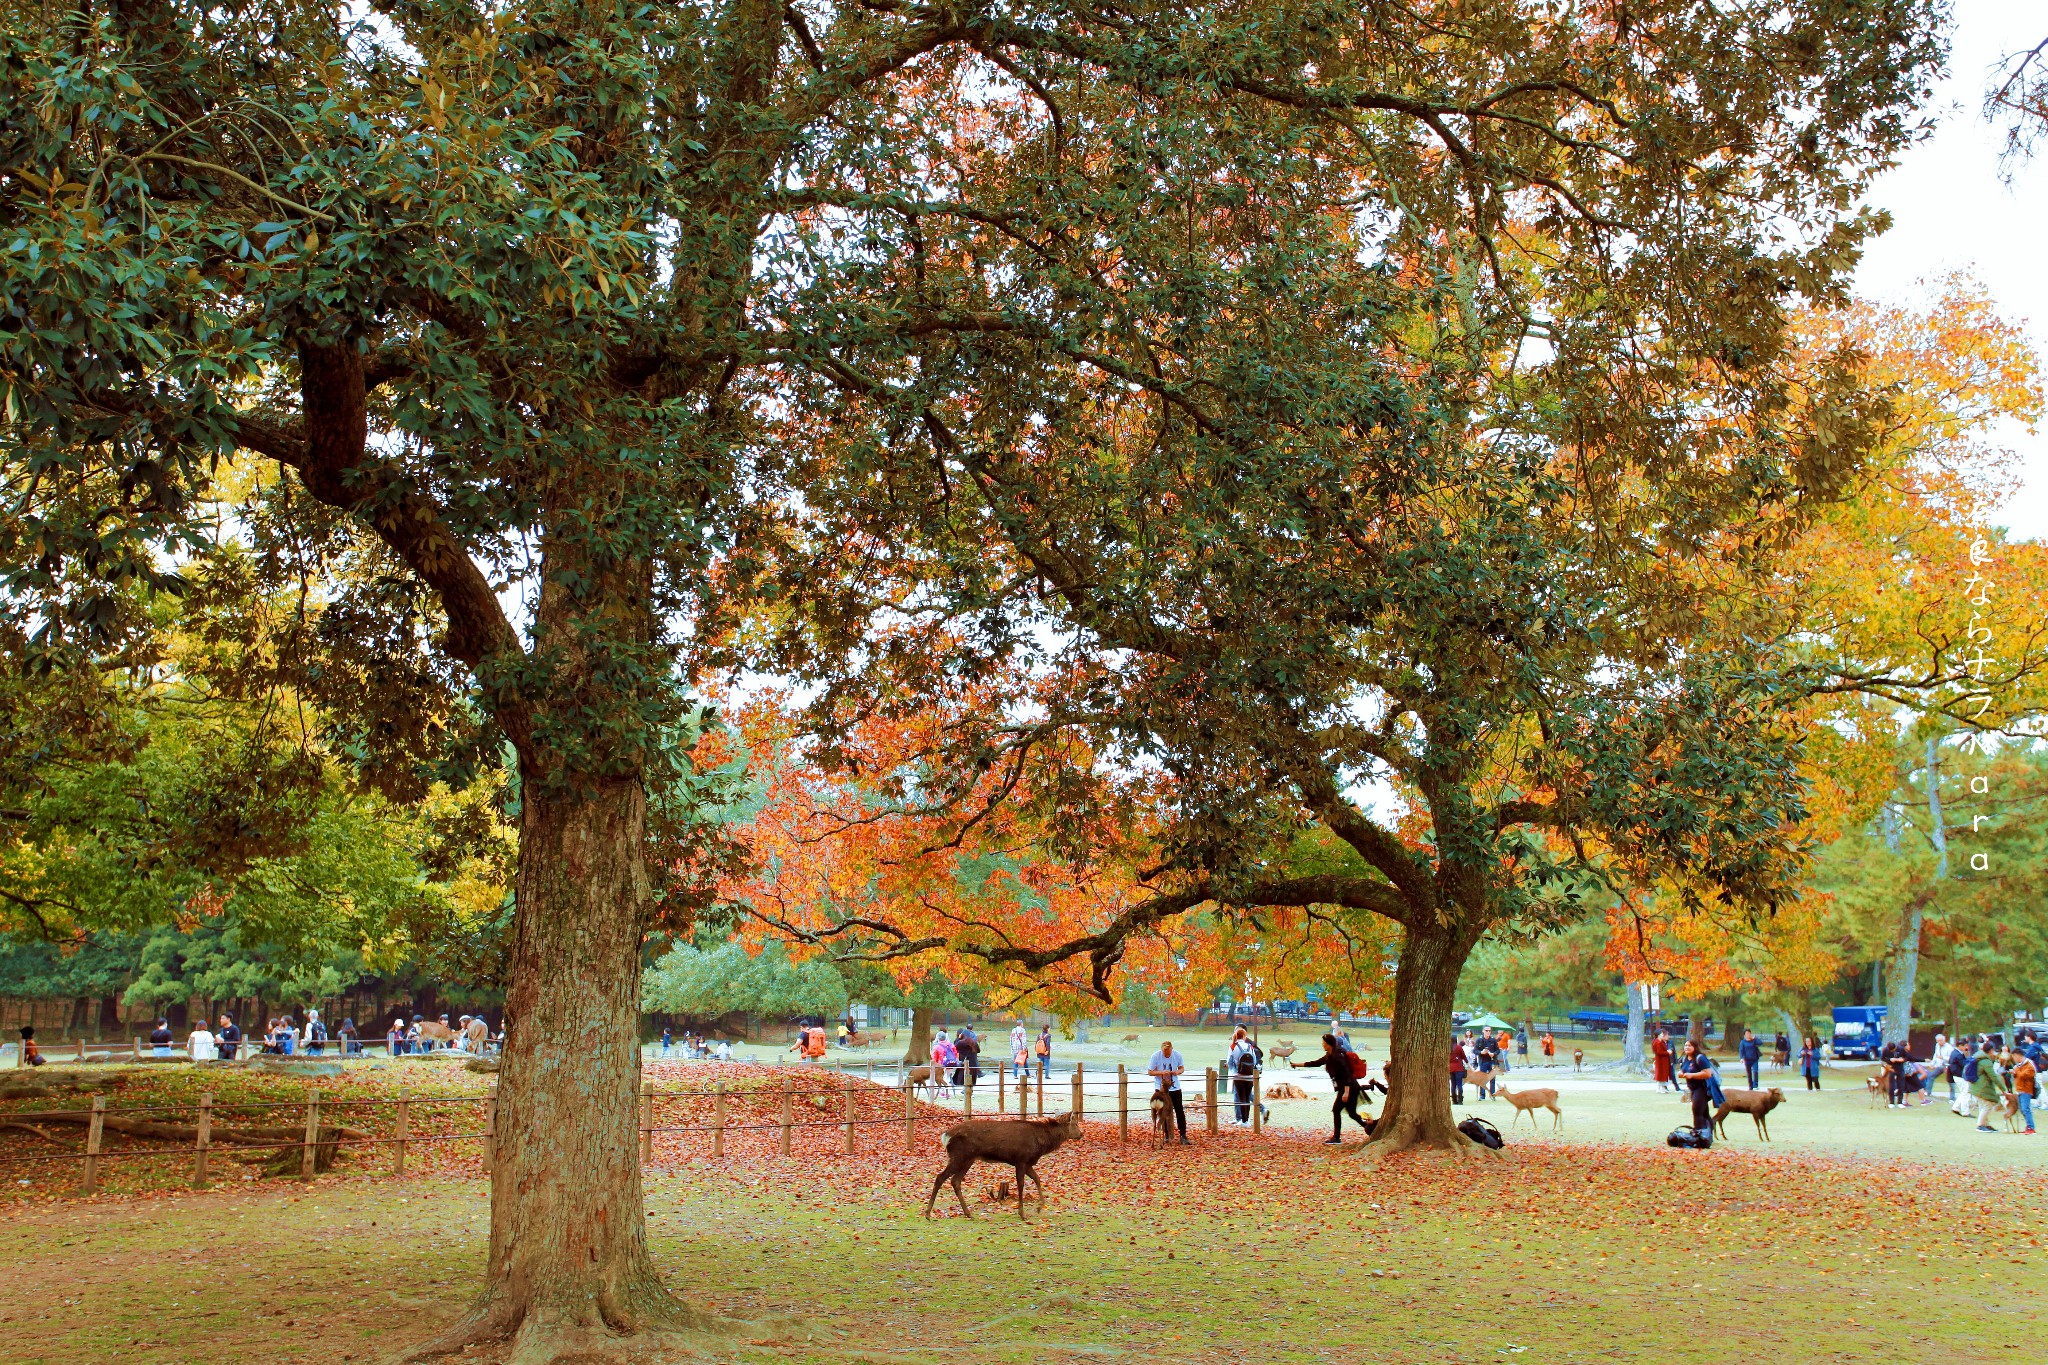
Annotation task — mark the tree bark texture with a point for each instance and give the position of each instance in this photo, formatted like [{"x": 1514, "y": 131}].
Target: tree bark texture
[
  {"x": 920, "y": 1050},
  {"x": 1418, "y": 1109},
  {"x": 1632, "y": 1054},
  {"x": 569, "y": 1274}
]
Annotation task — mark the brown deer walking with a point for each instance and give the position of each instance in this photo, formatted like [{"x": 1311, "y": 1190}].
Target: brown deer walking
[
  {"x": 1529, "y": 1101},
  {"x": 1758, "y": 1104},
  {"x": 1017, "y": 1143}
]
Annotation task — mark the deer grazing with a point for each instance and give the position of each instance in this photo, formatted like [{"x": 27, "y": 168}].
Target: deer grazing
[
  {"x": 1130, "y": 1037},
  {"x": 1529, "y": 1101},
  {"x": 1017, "y": 1143},
  {"x": 1758, "y": 1104},
  {"x": 1284, "y": 1051}
]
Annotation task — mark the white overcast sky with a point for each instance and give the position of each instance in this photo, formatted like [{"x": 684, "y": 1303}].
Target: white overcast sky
[{"x": 1952, "y": 210}]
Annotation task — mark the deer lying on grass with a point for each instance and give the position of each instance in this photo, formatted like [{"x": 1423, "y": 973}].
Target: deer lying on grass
[
  {"x": 1529, "y": 1101},
  {"x": 1017, "y": 1143},
  {"x": 1756, "y": 1103}
]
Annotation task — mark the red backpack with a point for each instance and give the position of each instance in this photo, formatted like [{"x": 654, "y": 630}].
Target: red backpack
[{"x": 1359, "y": 1070}]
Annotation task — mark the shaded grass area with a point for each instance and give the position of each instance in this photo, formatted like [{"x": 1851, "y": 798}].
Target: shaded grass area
[{"x": 1225, "y": 1252}]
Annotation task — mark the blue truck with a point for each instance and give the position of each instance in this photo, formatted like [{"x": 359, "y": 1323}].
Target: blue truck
[{"x": 1859, "y": 1032}]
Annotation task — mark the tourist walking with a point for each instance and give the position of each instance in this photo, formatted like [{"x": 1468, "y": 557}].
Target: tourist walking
[
  {"x": 1697, "y": 1072},
  {"x": 1457, "y": 1072},
  {"x": 1809, "y": 1062},
  {"x": 967, "y": 1045},
  {"x": 1549, "y": 1048},
  {"x": 1042, "y": 1049},
  {"x": 1962, "y": 1069},
  {"x": 1986, "y": 1089},
  {"x": 1660, "y": 1059},
  {"x": 1164, "y": 1068},
  {"x": 1752, "y": 1053},
  {"x": 1336, "y": 1062},
  {"x": 1020, "y": 1051}
]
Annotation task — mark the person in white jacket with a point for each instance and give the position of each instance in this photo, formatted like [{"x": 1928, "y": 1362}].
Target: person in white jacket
[
  {"x": 1020, "y": 1047},
  {"x": 1943, "y": 1050},
  {"x": 202, "y": 1046}
]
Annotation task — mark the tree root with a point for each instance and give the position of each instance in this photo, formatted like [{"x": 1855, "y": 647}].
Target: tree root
[
  {"x": 1391, "y": 1142},
  {"x": 659, "y": 1330}
]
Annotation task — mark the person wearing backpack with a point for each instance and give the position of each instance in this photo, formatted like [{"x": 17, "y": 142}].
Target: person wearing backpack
[
  {"x": 1457, "y": 1072},
  {"x": 1962, "y": 1067},
  {"x": 1698, "y": 1074},
  {"x": 1244, "y": 1073},
  {"x": 1986, "y": 1088},
  {"x": 1339, "y": 1065},
  {"x": 1042, "y": 1050}
]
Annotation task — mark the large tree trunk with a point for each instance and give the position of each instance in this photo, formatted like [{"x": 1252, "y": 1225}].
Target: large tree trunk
[
  {"x": 569, "y": 1276},
  {"x": 920, "y": 1050},
  {"x": 1418, "y": 1108}
]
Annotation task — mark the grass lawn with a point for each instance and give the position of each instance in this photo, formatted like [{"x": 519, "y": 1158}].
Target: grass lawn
[{"x": 1594, "y": 1247}]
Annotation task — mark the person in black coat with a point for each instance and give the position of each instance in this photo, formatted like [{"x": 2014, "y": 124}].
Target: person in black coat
[{"x": 1337, "y": 1063}]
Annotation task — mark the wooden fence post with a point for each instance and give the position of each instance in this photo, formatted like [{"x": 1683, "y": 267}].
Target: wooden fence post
[
  {"x": 138, "y": 1049},
  {"x": 1079, "y": 1098},
  {"x": 1041, "y": 1090},
  {"x": 81, "y": 1049},
  {"x": 1002, "y": 1084},
  {"x": 1258, "y": 1101},
  {"x": 967, "y": 1091},
  {"x": 787, "y": 1093},
  {"x": 491, "y": 1130},
  {"x": 1123, "y": 1104},
  {"x": 1209, "y": 1094},
  {"x": 312, "y": 1132},
  {"x": 92, "y": 1144},
  {"x": 849, "y": 1118},
  {"x": 909, "y": 1120},
  {"x": 404, "y": 1132},
  {"x": 646, "y": 1125},
  {"x": 718, "y": 1118},
  {"x": 202, "y": 1140}
]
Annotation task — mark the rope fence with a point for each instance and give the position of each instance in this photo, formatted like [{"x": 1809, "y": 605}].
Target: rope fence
[{"x": 210, "y": 1135}]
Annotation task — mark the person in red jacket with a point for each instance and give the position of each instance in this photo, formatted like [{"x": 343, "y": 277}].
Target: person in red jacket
[
  {"x": 1457, "y": 1073},
  {"x": 1660, "y": 1052}
]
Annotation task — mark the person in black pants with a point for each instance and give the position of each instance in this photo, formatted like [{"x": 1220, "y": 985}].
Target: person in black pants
[
  {"x": 1893, "y": 1055},
  {"x": 1698, "y": 1074},
  {"x": 1752, "y": 1053},
  {"x": 1337, "y": 1063}
]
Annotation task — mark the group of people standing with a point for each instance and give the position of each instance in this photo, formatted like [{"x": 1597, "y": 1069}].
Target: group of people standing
[
  {"x": 1488, "y": 1056},
  {"x": 1980, "y": 1075}
]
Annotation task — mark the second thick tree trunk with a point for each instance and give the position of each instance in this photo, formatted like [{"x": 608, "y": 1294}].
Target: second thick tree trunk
[{"x": 1418, "y": 1109}]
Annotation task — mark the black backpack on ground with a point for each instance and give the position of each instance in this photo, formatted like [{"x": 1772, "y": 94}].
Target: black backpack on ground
[
  {"x": 1698, "y": 1139},
  {"x": 1482, "y": 1132}
]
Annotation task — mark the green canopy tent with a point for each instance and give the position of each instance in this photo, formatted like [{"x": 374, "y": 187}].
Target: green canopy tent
[{"x": 1488, "y": 1021}]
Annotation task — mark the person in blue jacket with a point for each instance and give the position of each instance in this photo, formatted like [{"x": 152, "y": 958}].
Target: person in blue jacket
[
  {"x": 1752, "y": 1053},
  {"x": 1809, "y": 1062}
]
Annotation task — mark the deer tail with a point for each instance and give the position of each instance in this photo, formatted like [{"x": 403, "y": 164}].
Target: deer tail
[{"x": 945, "y": 1141}]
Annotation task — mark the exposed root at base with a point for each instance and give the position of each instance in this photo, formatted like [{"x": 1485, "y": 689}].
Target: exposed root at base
[
  {"x": 665, "y": 1332},
  {"x": 1458, "y": 1148}
]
